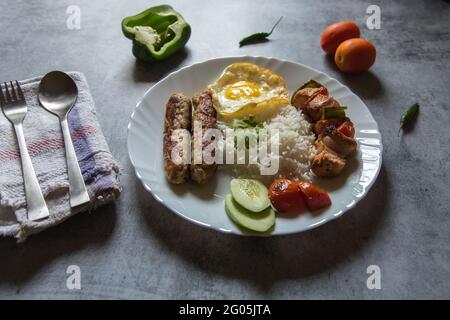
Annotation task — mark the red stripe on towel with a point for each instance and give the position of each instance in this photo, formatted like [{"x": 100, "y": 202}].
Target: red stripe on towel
[{"x": 43, "y": 146}]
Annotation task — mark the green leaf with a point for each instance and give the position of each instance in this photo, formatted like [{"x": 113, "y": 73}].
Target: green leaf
[
  {"x": 238, "y": 124},
  {"x": 247, "y": 123}
]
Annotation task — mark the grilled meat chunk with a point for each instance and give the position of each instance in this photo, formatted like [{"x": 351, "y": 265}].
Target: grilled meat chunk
[
  {"x": 314, "y": 108},
  {"x": 204, "y": 118},
  {"x": 327, "y": 164},
  {"x": 301, "y": 97},
  {"x": 338, "y": 142},
  {"x": 322, "y": 125},
  {"x": 177, "y": 124}
]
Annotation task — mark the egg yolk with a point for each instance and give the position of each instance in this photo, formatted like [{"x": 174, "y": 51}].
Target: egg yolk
[{"x": 242, "y": 89}]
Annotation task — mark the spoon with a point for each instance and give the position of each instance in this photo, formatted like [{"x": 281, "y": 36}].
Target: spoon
[{"x": 58, "y": 94}]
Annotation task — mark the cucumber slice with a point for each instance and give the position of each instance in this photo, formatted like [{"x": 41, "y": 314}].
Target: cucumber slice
[
  {"x": 250, "y": 193},
  {"x": 261, "y": 221}
]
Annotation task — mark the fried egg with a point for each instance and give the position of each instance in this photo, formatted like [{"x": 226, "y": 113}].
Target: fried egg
[{"x": 245, "y": 89}]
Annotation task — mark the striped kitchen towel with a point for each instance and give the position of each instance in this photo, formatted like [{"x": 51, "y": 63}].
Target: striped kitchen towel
[{"x": 46, "y": 147}]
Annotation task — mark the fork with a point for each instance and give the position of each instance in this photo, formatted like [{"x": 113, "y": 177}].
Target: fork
[{"x": 14, "y": 108}]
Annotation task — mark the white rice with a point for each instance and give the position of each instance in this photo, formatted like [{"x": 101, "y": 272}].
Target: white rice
[{"x": 296, "y": 147}]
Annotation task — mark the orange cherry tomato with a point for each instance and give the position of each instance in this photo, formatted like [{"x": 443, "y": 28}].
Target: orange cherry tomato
[
  {"x": 286, "y": 197},
  {"x": 355, "y": 55},
  {"x": 335, "y": 34},
  {"x": 315, "y": 197},
  {"x": 346, "y": 129}
]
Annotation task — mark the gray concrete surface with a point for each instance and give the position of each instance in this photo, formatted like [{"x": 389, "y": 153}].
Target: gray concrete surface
[{"x": 138, "y": 249}]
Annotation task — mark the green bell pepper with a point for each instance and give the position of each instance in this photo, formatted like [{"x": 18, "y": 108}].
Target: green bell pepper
[{"x": 157, "y": 32}]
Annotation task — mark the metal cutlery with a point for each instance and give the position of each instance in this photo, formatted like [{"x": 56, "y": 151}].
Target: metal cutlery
[
  {"x": 14, "y": 108},
  {"x": 58, "y": 94}
]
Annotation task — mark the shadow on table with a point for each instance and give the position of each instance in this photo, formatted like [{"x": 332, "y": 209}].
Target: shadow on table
[
  {"x": 21, "y": 262},
  {"x": 366, "y": 84},
  {"x": 154, "y": 71},
  {"x": 265, "y": 261}
]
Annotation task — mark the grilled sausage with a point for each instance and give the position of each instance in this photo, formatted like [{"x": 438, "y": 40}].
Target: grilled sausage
[
  {"x": 204, "y": 118},
  {"x": 178, "y": 116}
]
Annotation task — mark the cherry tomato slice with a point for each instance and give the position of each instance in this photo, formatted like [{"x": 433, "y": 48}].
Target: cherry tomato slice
[
  {"x": 346, "y": 129},
  {"x": 315, "y": 197},
  {"x": 286, "y": 197}
]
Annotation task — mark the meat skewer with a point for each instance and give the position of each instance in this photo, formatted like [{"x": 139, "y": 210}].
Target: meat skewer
[
  {"x": 178, "y": 116},
  {"x": 335, "y": 136},
  {"x": 204, "y": 118}
]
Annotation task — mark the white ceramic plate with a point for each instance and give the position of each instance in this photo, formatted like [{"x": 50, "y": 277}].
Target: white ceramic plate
[{"x": 204, "y": 205}]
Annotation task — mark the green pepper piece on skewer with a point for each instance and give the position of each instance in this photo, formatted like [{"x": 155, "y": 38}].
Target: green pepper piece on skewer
[
  {"x": 311, "y": 84},
  {"x": 334, "y": 112}
]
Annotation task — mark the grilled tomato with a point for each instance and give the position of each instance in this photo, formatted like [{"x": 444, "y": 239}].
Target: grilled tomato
[
  {"x": 286, "y": 197},
  {"x": 315, "y": 197}
]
